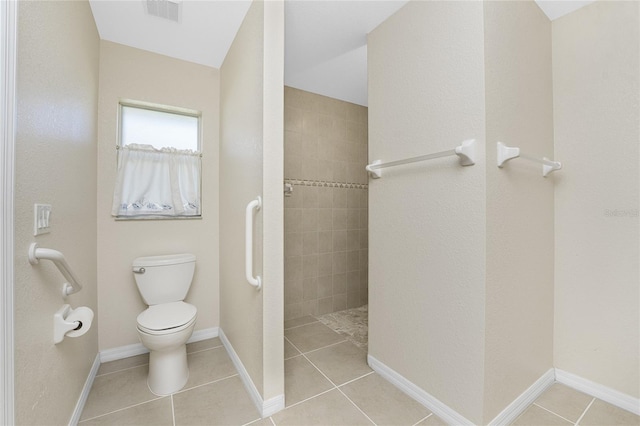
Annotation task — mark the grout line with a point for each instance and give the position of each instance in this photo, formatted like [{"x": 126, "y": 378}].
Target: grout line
[
  {"x": 422, "y": 420},
  {"x": 324, "y": 347},
  {"x": 252, "y": 421},
  {"x": 313, "y": 350},
  {"x": 301, "y": 325},
  {"x": 356, "y": 405},
  {"x": 585, "y": 411},
  {"x": 320, "y": 371},
  {"x": 121, "y": 370},
  {"x": 357, "y": 378},
  {"x": 292, "y": 357},
  {"x": 339, "y": 390},
  {"x": 123, "y": 408},
  {"x": 173, "y": 411},
  {"x": 205, "y": 384},
  {"x": 310, "y": 398},
  {"x": 272, "y": 421},
  {"x": 555, "y": 414}
]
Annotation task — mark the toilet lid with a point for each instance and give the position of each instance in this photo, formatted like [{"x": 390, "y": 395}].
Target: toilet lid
[{"x": 167, "y": 315}]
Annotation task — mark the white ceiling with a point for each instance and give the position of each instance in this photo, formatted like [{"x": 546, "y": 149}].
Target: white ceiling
[
  {"x": 555, "y": 9},
  {"x": 325, "y": 40},
  {"x": 203, "y": 36}
]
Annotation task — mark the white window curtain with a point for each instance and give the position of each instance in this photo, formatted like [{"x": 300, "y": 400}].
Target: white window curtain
[{"x": 157, "y": 182}]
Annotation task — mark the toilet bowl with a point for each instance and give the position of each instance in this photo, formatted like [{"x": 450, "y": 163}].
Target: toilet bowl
[
  {"x": 160, "y": 330},
  {"x": 166, "y": 325}
]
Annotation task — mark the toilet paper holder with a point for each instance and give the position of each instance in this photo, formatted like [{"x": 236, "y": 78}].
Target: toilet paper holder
[{"x": 72, "y": 327}]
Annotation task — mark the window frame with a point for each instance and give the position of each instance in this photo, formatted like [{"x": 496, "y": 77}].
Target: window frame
[
  {"x": 170, "y": 110},
  {"x": 158, "y": 108}
]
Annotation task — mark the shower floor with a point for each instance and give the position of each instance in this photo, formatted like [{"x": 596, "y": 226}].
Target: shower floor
[{"x": 351, "y": 323}]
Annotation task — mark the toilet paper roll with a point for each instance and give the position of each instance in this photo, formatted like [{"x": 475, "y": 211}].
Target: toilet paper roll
[{"x": 82, "y": 314}]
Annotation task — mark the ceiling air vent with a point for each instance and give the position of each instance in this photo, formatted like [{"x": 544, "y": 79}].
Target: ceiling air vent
[{"x": 167, "y": 9}]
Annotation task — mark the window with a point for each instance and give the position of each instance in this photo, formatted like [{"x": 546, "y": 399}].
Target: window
[
  {"x": 159, "y": 164},
  {"x": 158, "y": 128}
]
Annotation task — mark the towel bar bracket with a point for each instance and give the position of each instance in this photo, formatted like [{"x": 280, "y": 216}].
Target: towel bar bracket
[{"x": 506, "y": 153}]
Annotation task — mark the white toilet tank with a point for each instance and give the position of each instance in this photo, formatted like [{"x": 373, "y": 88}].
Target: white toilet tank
[{"x": 164, "y": 279}]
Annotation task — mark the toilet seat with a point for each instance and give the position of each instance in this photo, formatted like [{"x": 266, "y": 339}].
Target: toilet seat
[{"x": 167, "y": 318}]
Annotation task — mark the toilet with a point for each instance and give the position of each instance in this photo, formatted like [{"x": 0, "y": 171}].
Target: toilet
[{"x": 166, "y": 325}]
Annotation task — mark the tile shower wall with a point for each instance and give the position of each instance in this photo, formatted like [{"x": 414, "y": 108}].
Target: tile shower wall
[{"x": 326, "y": 217}]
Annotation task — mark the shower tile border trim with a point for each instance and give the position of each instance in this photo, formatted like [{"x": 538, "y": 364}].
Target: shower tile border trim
[{"x": 326, "y": 184}]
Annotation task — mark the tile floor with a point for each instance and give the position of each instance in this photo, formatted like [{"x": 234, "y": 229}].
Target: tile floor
[{"x": 327, "y": 382}]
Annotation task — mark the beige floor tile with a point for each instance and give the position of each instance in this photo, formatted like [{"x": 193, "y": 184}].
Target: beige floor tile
[
  {"x": 204, "y": 344},
  {"x": 384, "y": 403},
  {"x": 312, "y": 336},
  {"x": 564, "y": 401},
  {"x": 224, "y": 402},
  {"x": 536, "y": 416},
  {"x": 432, "y": 420},
  {"x": 302, "y": 380},
  {"x": 601, "y": 413},
  {"x": 299, "y": 321},
  {"x": 122, "y": 364},
  {"x": 262, "y": 422},
  {"x": 158, "y": 412},
  {"x": 207, "y": 366},
  {"x": 341, "y": 362},
  {"x": 289, "y": 350},
  {"x": 331, "y": 408},
  {"x": 119, "y": 390}
]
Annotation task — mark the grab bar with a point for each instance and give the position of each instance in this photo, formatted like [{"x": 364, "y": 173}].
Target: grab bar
[
  {"x": 35, "y": 254},
  {"x": 254, "y": 281}
]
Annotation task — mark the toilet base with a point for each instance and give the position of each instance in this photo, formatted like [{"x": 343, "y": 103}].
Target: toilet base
[{"x": 168, "y": 370}]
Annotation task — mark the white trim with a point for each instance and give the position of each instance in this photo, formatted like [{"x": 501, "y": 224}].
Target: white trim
[
  {"x": 77, "y": 412},
  {"x": 437, "y": 407},
  {"x": 266, "y": 408},
  {"x": 126, "y": 351},
  {"x": 122, "y": 352},
  {"x": 272, "y": 405},
  {"x": 612, "y": 396},
  {"x": 8, "y": 40},
  {"x": 517, "y": 407}
]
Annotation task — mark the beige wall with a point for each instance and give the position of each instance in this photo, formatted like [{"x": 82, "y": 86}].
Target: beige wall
[
  {"x": 251, "y": 164},
  {"x": 469, "y": 256},
  {"x": 326, "y": 215},
  {"x": 273, "y": 219},
  {"x": 427, "y": 220},
  {"x": 519, "y": 287},
  {"x": 57, "y": 96},
  {"x": 128, "y": 73},
  {"x": 596, "y": 88}
]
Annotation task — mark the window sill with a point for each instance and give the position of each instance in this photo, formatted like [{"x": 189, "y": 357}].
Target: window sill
[{"x": 149, "y": 217}]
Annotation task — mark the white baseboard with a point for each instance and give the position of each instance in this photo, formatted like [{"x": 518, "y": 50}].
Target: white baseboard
[
  {"x": 265, "y": 408},
  {"x": 612, "y": 396},
  {"x": 272, "y": 406},
  {"x": 517, "y": 407},
  {"x": 204, "y": 334},
  {"x": 77, "y": 412},
  {"x": 437, "y": 407},
  {"x": 139, "y": 349}
]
